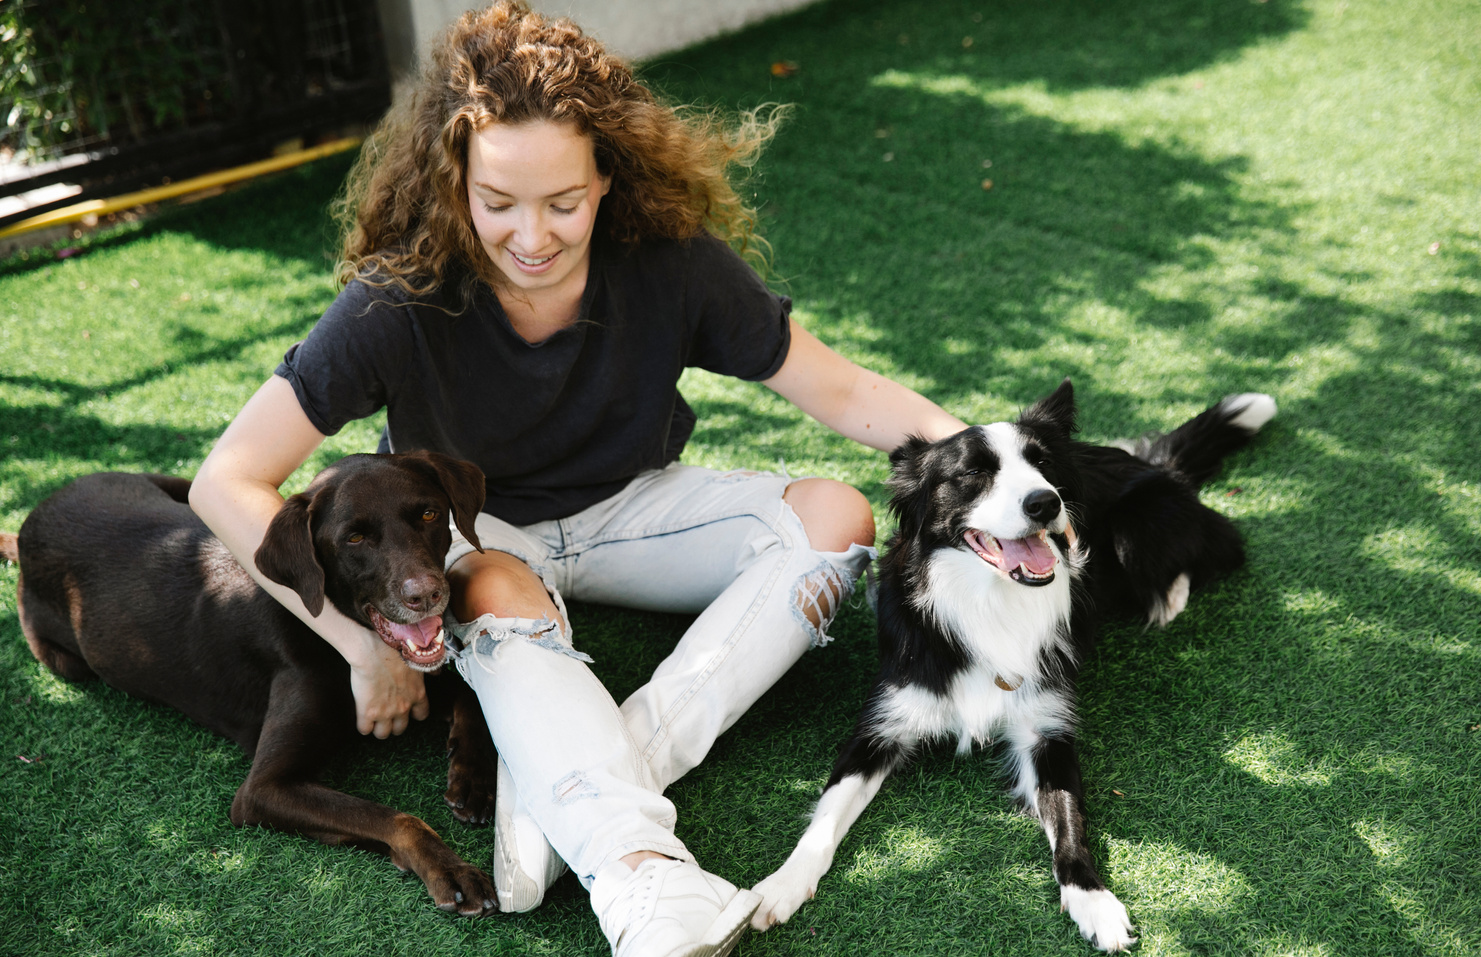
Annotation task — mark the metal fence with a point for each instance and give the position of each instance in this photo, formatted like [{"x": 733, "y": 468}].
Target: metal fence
[{"x": 119, "y": 94}]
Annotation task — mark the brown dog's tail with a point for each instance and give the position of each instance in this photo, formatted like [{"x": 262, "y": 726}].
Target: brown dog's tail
[{"x": 9, "y": 548}]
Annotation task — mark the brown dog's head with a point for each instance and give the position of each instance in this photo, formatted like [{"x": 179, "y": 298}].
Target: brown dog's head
[{"x": 370, "y": 534}]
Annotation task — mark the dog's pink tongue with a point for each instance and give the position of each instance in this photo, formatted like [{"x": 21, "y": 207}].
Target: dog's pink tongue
[
  {"x": 1032, "y": 553},
  {"x": 420, "y": 635}
]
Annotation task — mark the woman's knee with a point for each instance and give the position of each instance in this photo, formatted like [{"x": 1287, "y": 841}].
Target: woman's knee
[
  {"x": 834, "y": 515},
  {"x": 497, "y": 583}
]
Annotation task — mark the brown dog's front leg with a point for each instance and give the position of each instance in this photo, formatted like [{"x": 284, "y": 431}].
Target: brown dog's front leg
[
  {"x": 280, "y": 792},
  {"x": 472, "y": 762}
]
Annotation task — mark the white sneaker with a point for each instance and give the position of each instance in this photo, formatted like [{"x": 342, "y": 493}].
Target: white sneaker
[
  {"x": 669, "y": 908},
  {"x": 525, "y": 864}
]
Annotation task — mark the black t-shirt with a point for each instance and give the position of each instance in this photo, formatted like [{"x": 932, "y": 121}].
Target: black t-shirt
[{"x": 561, "y": 424}]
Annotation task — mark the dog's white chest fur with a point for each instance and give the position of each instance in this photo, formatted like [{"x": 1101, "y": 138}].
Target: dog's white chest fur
[{"x": 1004, "y": 627}]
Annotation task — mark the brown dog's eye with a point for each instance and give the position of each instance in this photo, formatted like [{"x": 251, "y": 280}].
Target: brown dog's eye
[
  {"x": 355, "y": 539},
  {"x": 429, "y": 515}
]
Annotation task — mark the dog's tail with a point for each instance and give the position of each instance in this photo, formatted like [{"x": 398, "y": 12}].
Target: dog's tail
[
  {"x": 1197, "y": 448},
  {"x": 9, "y": 548}
]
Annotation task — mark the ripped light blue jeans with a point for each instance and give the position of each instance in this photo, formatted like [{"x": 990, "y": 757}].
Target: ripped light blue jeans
[{"x": 680, "y": 539}]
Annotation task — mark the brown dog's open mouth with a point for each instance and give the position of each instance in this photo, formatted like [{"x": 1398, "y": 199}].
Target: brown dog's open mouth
[
  {"x": 420, "y": 643},
  {"x": 1028, "y": 561}
]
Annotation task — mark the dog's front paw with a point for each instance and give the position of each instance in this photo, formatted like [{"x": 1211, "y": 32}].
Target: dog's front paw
[
  {"x": 781, "y": 894},
  {"x": 471, "y": 785},
  {"x": 463, "y": 889},
  {"x": 1102, "y": 918}
]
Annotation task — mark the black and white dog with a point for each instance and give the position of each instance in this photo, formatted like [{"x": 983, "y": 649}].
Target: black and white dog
[{"x": 1013, "y": 539}]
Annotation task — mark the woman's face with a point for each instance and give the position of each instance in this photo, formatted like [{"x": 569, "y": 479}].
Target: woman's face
[{"x": 533, "y": 189}]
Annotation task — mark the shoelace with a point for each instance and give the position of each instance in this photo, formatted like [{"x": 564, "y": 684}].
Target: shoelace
[{"x": 637, "y": 899}]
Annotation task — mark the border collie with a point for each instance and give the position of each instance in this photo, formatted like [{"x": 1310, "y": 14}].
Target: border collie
[{"x": 1013, "y": 538}]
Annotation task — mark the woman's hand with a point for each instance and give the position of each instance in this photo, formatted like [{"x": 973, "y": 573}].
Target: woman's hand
[
  {"x": 388, "y": 694},
  {"x": 236, "y": 494}
]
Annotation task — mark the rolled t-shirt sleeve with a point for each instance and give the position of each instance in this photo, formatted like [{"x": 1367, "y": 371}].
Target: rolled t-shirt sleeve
[
  {"x": 739, "y": 327},
  {"x": 353, "y": 358}
]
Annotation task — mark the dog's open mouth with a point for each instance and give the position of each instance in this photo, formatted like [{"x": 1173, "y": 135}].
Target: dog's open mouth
[
  {"x": 420, "y": 643},
  {"x": 1028, "y": 561}
]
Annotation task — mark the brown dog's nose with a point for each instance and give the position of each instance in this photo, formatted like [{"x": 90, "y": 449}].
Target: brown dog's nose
[{"x": 422, "y": 592}]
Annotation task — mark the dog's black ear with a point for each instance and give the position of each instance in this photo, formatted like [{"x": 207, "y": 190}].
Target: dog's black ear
[
  {"x": 1054, "y": 411},
  {"x": 464, "y": 484},
  {"x": 906, "y": 455},
  {"x": 907, "y": 483},
  {"x": 286, "y": 554}
]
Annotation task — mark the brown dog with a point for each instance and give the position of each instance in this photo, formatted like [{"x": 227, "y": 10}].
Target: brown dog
[{"x": 121, "y": 581}]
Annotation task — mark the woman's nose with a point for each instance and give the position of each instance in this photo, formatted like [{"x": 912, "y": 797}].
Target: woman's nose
[{"x": 529, "y": 231}]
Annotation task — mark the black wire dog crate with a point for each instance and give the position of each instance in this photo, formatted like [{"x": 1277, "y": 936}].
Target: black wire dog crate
[{"x": 117, "y": 95}]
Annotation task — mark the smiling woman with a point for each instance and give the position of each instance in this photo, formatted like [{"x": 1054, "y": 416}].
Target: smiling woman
[
  {"x": 535, "y": 227},
  {"x": 536, "y": 250}
]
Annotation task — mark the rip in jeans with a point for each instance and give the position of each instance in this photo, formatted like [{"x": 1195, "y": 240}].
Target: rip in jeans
[
  {"x": 816, "y": 599},
  {"x": 572, "y": 788},
  {"x": 483, "y": 633}
]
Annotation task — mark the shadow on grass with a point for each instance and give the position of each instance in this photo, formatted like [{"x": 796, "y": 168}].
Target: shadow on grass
[
  {"x": 61, "y": 429},
  {"x": 1306, "y": 711}
]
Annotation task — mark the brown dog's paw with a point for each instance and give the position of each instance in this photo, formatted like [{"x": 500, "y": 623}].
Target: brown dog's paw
[
  {"x": 463, "y": 889},
  {"x": 470, "y": 791}
]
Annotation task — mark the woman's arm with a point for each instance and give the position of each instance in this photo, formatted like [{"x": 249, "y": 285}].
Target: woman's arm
[
  {"x": 236, "y": 494},
  {"x": 854, "y": 402}
]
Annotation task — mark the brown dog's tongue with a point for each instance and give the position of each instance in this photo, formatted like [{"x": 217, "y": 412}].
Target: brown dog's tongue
[
  {"x": 1032, "y": 553},
  {"x": 420, "y": 635}
]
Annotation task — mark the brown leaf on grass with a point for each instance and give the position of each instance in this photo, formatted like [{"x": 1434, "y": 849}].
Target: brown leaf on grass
[
  {"x": 784, "y": 68},
  {"x": 987, "y": 184},
  {"x": 1234, "y": 491}
]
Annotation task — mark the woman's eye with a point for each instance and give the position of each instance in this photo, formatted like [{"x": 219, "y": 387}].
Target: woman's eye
[
  {"x": 563, "y": 210},
  {"x": 494, "y": 209}
]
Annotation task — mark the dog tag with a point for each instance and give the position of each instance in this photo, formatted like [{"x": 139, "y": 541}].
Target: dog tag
[{"x": 1007, "y": 684}]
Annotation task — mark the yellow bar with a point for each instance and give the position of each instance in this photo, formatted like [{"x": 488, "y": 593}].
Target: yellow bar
[{"x": 102, "y": 207}]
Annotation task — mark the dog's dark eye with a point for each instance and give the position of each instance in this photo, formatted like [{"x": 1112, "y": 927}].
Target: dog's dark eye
[
  {"x": 971, "y": 472},
  {"x": 355, "y": 539},
  {"x": 429, "y": 515}
]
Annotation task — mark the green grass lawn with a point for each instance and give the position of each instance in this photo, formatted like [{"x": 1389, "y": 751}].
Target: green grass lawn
[{"x": 1188, "y": 198}]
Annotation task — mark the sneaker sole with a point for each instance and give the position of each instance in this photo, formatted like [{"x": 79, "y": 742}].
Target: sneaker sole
[
  {"x": 516, "y": 891},
  {"x": 726, "y": 930}
]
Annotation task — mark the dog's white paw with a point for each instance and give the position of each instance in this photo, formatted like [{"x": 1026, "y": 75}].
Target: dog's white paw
[
  {"x": 1102, "y": 918},
  {"x": 781, "y": 894}
]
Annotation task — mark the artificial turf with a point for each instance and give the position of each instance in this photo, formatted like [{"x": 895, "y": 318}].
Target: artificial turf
[{"x": 1187, "y": 198}]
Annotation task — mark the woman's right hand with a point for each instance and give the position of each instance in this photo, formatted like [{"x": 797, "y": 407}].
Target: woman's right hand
[
  {"x": 236, "y": 494},
  {"x": 388, "y": 693}
]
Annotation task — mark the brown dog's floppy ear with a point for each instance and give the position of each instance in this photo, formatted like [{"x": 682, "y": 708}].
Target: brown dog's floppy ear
[
  {"x": 464, "y": 484},
  {"x": 286, "y": 554}
]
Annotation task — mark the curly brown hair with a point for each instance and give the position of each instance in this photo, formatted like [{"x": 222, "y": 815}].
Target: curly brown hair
[{"x": 405, "y": 213}]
